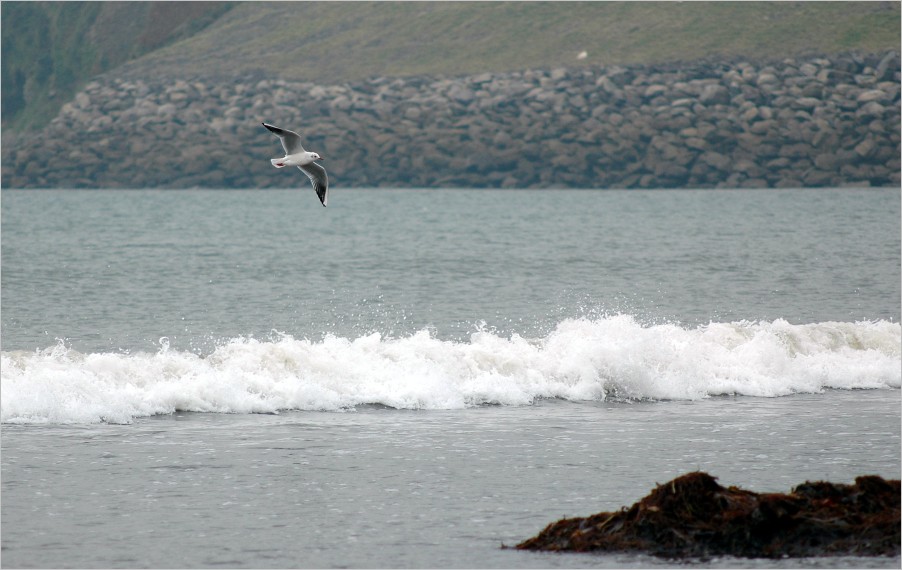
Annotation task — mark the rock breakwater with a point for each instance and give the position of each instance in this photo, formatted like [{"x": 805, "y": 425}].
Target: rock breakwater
[{"x": 819, "y": 121}]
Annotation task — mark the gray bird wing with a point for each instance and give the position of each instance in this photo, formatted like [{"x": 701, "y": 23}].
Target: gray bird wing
[
  {"x": 291, "y": 141},
  {"x": 319, "y": 178}
]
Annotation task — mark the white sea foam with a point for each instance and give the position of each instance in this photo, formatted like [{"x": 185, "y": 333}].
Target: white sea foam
[{"x": 582, "y": 359}]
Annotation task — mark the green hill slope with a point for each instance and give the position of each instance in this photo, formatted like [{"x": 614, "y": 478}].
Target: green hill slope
[{"x": 340, "y": 41}]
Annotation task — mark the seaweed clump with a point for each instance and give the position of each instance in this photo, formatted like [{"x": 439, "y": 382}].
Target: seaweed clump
[{"x": 693, "y": 516}]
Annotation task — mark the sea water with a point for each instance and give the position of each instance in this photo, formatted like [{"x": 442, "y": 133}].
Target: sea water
[{"x": 416, "y": 377}]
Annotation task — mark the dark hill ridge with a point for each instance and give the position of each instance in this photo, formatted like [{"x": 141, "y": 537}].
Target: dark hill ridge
[
  {"x": 51, "y": 49},
  {"x": 817, "y": 121}
]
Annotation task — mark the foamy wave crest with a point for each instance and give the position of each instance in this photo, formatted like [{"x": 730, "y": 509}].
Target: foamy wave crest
[{"x": 582, "y": 359}]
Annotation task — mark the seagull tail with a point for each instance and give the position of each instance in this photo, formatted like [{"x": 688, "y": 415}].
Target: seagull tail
[{"x": 278, "y": 162}]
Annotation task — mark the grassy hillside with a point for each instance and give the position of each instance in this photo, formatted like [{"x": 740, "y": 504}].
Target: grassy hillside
[
  {"x": 50, "y": 49},
  {"x": 342, "y": 41}
]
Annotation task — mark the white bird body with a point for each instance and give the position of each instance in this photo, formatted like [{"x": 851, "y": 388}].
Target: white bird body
[
  {"x": 299, "y": 159},
  {"x": 295, "y": 155}
]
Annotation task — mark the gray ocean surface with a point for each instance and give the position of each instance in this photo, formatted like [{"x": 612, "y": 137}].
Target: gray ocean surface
[{"x": 412, "y": 378}]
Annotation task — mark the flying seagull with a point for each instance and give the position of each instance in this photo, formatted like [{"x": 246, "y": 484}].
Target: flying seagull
[{"x": 295, "y": 155}]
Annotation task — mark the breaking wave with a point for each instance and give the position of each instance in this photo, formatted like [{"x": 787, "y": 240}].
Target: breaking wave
[{"x": 581, "y": 359}]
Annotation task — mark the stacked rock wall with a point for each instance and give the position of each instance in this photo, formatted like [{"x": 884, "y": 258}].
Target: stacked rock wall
[{"x": 820, "y": 121}]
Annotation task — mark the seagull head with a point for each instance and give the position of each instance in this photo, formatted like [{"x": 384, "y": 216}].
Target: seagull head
[{"x": 316, "y": 156}]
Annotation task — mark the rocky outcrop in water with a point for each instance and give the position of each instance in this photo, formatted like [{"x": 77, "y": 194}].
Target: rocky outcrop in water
[
  {"x": 821, "y": 121},
  {"x": 693, "y": 516}
]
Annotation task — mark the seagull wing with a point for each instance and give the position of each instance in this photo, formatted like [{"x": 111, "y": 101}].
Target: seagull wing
[
  {"x": 319, "y": 178},
  {"x": 291, "y": 141}
]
